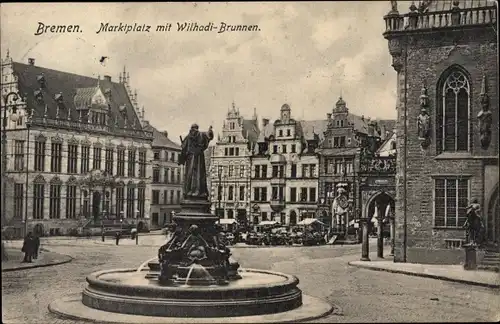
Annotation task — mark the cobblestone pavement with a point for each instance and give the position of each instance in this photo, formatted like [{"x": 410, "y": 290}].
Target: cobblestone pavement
[{"x": 363, "y": 295}]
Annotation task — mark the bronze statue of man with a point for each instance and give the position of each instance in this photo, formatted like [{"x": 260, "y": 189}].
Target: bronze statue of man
[{"x": 193, "y": 158}]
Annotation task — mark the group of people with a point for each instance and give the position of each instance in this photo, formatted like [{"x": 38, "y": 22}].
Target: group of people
[{"x": 31, "y": 246}]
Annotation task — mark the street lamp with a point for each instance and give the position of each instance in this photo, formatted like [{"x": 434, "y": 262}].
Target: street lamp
[
  {"x": 121, "y": 220},
  {"x": 136, "y": 227},
  {"x": 14, "y": 116}
]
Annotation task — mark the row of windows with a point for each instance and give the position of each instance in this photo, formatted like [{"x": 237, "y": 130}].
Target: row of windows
[
  {"x": 170, "y": 175},
  {"x": 278, "y": 171},
  {"x": 230, "y": 171},
  {"x": 72, "y": 200},
  {"x": 278, "y": 193},
  {"x": 338, "y": 166},
  {"x": 288, "y": 133},
  {"x": 230, "y": 193},
  {"x": 293, "y": 148},
  {"x": 231, "y": 151},
  {"x": 169, "y": 197},
  {"x": 56, "y": 155},
  {"x": 169, "y": 156}
]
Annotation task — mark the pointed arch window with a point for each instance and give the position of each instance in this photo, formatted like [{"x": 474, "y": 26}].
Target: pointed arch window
[{"x": 453, "y": 111}]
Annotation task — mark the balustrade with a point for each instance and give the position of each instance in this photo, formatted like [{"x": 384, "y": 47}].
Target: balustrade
[{"x": 441, "y": 19}]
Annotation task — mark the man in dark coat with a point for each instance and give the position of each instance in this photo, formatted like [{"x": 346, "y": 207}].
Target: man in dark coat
[
  {"x": 28, "y": 246},
  {"x": 36, "y": 246}
]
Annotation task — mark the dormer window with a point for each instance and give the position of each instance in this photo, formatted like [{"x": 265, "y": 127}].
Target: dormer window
[
  {"x": 38, "y": 96},
  {"x": 41, "y": 80},
  {"x": 59, "y": 98},
  {"x": 107, "y": 92},
  {"x": 123, "y": 109}
]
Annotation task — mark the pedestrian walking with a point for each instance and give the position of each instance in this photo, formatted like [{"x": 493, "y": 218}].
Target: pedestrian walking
[
  {"x": 117, "y": 237},
  {"x": 27, "y": 248},
  {"x": 36, "y": 246}
]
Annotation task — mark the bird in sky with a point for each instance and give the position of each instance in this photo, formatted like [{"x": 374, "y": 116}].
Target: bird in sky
[{"x": 103, "y": 59}]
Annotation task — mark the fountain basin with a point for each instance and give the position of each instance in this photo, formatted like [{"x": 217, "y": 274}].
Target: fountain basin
[{"x": 127, "y": 291}]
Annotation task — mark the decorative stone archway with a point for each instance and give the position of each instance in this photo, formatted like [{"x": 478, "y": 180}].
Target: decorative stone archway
[{"x": 368, "y": 197}]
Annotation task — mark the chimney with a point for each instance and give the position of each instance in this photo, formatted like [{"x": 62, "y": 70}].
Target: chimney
[
  {"x": 329, "y": 116},
  {"x": 265, "y": 122},
  {"x": 363, "y": 117},
  {"x": 165, "y": 133},
  {"x": 31, "y": 61},
  {"x": 107, "y": 78}
]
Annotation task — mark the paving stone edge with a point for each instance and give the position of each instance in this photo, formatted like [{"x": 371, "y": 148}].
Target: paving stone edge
[
  {"x": 65, "y": 259},
  {"x": 425, "y": 275}
]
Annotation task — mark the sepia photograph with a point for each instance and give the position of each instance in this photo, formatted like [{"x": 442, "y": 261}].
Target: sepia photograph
[{"x": 250, "y": 162}]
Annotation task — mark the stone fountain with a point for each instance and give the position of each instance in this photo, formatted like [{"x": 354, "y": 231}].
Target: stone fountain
[{"x": 194, "y": 279}]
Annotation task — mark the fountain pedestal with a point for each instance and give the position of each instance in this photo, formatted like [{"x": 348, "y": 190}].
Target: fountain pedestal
[{"x": 195, "y": 246}]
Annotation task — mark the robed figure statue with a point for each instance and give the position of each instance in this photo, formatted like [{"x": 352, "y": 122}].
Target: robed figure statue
[{"x": 193, "y": 158}]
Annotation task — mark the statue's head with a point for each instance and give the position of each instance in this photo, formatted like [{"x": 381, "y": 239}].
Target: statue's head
[
  {"x": 475, "y": 201},
  {"x": 423, "y": 111}
]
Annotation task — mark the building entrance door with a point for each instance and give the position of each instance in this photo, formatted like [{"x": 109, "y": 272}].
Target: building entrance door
[{"x": 96, "y": 204}]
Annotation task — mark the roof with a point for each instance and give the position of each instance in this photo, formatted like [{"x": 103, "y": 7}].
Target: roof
[
  {"x": 359, "y": 123},
  {"x": 266, "y": 132},
  {"x": 72, "y": 86},
  {"x": 443, "y": 5},
  {"x": 313, "y": 127},
  {"x": 250, "y": 130},
  {"x": 160, "y": 139},
  {"x": 389, "y": 124}
]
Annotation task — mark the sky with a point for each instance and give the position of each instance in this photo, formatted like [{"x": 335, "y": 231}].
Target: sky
[{"x": 306, "y": 54}]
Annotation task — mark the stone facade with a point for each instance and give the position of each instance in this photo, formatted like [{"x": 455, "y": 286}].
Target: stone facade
[
  {"x": 167, "y": 179},
  {"x": 230, "y": 168},
  {"x": 49, "y": 188},
  {"x": 347, "y": 136},
  {"x": 285, "y": 170},
  {"x": 447, "y": 64}
]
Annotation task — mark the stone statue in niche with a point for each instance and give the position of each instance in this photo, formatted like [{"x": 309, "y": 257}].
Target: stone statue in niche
[
  {"x": 424, "y": 120},
  {"x": 485, "y": 118}
]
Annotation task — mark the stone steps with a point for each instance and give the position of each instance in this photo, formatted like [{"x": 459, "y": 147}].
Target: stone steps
[{"x": 491, "y": 261}]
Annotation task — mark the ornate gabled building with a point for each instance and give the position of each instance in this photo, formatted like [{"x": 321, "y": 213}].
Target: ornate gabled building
[
  {"x": 230, "y": 167},
  {"x": 76, "y": 150},
  {"x": 340, "y": 156},
  {"x": 284, "y": 175},
  {"x": 445, "y": 54},
  {"x": 167, "y": 178}
]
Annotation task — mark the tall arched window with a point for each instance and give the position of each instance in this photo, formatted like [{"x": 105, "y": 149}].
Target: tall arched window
[{"x": 453, "y": 110}]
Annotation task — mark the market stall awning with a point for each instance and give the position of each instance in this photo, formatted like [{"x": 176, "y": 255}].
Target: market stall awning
[
  {"x": 227, "y": 221},
  {"x": 309, "y": 221},
  {"x": 264, "y": 223}
]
